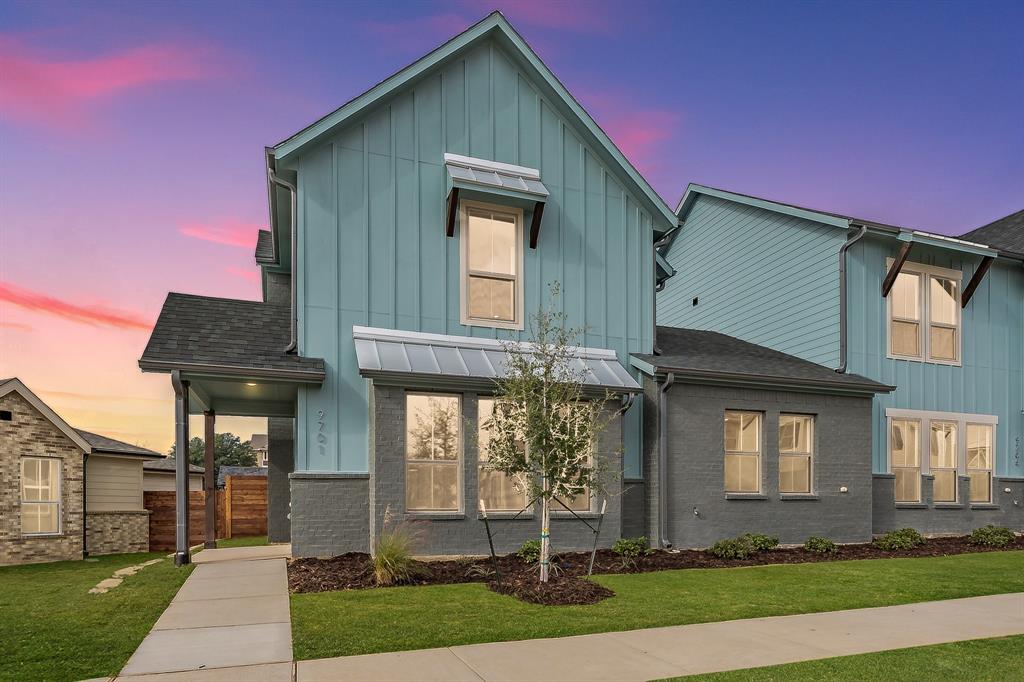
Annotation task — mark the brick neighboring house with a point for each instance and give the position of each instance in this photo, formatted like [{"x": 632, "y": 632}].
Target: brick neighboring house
[{"x": 64, "y": 492}]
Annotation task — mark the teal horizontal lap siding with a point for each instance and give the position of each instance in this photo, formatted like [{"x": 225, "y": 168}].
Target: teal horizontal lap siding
[
  {"x": 760, "y": 276},
  {"x": 991, "y": 378},
  {"x": 373, "y": 249}
]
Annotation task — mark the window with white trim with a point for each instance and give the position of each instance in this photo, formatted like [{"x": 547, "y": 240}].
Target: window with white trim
[
  {"x": 433, "y": 452},
  {"x": 492, "y": 262},
  {"x": 924, "y": 314},
  {"x": 500, "y": 492},
  {"x": 905, "y": 458},
  {"x": 40, "y": 496},
  {"x": 979, "y": 461},
  {"x": 942, "y": 459},
  {"x": 742, "y": 452},
  {"x": 796, "y": 449}
]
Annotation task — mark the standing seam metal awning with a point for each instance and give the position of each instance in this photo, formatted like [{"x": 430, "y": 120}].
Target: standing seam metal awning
[{"x": 387, "y": 353}]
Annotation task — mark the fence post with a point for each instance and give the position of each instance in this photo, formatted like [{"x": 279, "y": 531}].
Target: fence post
[{"x": 227, "y": 506}]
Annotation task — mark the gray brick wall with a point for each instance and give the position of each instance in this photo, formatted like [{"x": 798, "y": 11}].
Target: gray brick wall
[
  {"x": 698, "y": 509},
  {"x": 931, "y": 519},
  {"x": 279, "y": 288},
  {"x": 281, "y": 462},
  {"x": 329, "y": 514},
  {"x": 634, "y": 507}
]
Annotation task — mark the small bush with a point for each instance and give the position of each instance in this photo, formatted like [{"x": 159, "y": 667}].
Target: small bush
[
  {"x": 904, "y": 538},
  {"x": 820, "y": 545},
  {"x": 392, "y": 562},
  {"x": 992, "y": 536},
  {"x": 762, "y": 543},
  {"x": 632, "y": 548},
  {"x": 530, "y": 551},
  {"x": 734, "y": 548}
]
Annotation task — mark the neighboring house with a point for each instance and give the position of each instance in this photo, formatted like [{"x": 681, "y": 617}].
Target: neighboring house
[
  {"x": 259, "y": 444},
  {"x": 432, "y": 212},
  {"x": 225, "y": 471},
  {"x": 45, "y": 465},
  {"x": 158, "y": 475},
  {"x": 939, "y": 319}
]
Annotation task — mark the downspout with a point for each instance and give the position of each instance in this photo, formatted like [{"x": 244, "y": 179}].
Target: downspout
[
  {"x": 293, "y": 193},
  {"x": 85, "y": 497},
  {"x": 842, "y": 297},
  {"x": 663, "y": 459}
]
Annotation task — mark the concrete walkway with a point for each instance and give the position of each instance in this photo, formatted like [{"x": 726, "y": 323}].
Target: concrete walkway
[
  {"x": 652, "y": 654},
  {"x": 229, "y": 621}
]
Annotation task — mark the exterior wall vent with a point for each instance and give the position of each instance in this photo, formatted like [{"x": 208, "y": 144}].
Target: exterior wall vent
[
  {"x": 695, "y": 301},
  {"x": 6, "y": 416}
]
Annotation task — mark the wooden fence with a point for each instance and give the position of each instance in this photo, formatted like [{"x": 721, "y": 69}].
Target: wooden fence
[{"x": 241, "y": 511}]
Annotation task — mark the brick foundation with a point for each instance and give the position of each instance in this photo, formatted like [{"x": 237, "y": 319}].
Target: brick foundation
[{"x": 120, "y": 532}]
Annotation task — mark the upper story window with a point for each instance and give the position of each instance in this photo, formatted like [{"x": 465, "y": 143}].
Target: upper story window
[
  {"x": 40, "y": 496},
  {"x": 924, "y": 315},
  {"x": 492, "y": 264}
]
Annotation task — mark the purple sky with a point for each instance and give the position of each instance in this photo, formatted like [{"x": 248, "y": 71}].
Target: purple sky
[{"x": 133, "y": 133}]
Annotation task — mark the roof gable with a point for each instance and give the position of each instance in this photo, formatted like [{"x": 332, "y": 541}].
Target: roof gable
[
  {"x": 493, "y": 27},
  {"x": 16, "y": 386}
]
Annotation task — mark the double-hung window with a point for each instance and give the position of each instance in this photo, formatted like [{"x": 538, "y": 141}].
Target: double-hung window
[
  {"x": 742, "y": 452},
  {"x": 433, "y": 453},
  {"x": 40, "y": 496},
  {"x": 942, "y": 458},
  {"x": 796, "y": 448},
  {"x": 905, "y": 455},
  {"x": 979, "y": 461},
  {"x": 492, "y": 263},
  {"x": 924, "y": 315},
  {"x": 499, "y": 491}
]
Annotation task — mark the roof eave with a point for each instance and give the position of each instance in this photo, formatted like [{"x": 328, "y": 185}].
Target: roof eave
[{"x": 306, "y": 376}]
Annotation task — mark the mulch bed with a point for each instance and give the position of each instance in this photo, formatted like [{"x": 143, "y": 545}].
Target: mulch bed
[{"x": 353, "y": 570}]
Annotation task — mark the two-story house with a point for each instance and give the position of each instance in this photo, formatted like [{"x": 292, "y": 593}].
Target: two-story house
[
  {"x": 938, "y": 320},
  {"x": 413, "y": 232}
]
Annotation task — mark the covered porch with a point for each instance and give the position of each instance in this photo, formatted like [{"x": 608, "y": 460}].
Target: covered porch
[{"x": 225, "y": 357}]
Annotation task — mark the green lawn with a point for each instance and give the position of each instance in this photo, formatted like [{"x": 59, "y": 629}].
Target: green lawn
[
  {"x": 980, "y": 659},
  {"x": 51, "y": 628},
  {"x": 369, "y": 621},
  {"x": 254, "y": 541}
]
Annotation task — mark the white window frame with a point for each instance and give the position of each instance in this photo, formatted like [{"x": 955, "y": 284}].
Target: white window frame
[
  {"x": 759, "y": 452},
  {"x": 956, "y": 459},
  {"x": 926, "y": 417},
  {"x": 809, "y": 455},
  {"x": 924, "y": 274},
  {"x": 922, "y": 452},
  {"x": 458, "y": 463},
  {"x": 992, "y": 470},
  {"x": 518, "y": 323},
  {"x": 59, "y": 503}
]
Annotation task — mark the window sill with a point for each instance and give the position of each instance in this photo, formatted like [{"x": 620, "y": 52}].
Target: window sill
[
  {"x": 911, "y": 505},
  {"x": 506, "y": 516},
  {"x": 42, "y": 535},
  {"x": 746, "y": 496},
  {"x": 577, "y": 515},
  {"x": 926, "y": 361},
  {"x": 435, "y": 516},
  {"x": 947, "y": 505},
  {"x": 797, "y": 497},
  {"x": 984, "y": 506}
]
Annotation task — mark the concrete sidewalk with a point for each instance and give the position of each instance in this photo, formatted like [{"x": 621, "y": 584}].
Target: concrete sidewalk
[
  {"x": 652, "y": 654},
  {"x": 229, "y": 621}
]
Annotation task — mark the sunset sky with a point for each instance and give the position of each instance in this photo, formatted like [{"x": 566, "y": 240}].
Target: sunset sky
[{"x": 132, "y": 139}]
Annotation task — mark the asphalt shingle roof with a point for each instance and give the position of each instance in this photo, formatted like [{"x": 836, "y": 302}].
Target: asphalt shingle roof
[
  {"x": 711, "y": 353},
  {"x": 1005, "y": 234},
  {"x": 223, "y": 332},
  {"x": 265, "y": 247},
  {"x": 103, "y": 444},
  {"x": 168, "y": 464},
  {"x": 226, "y": 471}
]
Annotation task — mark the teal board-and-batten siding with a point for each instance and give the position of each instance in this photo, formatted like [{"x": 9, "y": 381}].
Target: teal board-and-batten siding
[
  {"x": 758, "y": 275},
  {"x": 990, "y": 379},
  {"x": 373, "y": 250}
]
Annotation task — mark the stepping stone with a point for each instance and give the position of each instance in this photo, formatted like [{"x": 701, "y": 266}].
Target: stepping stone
[{"x": 106, "y": 585}]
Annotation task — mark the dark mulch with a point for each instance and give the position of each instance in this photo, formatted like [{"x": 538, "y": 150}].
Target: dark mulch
[
  {"x": 560, "y": 590},
  {"x": 353, "y": 570}
]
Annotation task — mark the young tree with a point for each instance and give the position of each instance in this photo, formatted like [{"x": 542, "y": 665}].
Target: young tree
[{"x": 540, "y": 403}]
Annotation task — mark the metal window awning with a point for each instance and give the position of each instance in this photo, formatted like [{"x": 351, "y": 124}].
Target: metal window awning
[
  {"x": 421, "y": 359},
  {"x": 911, "y": 237},
  {"x": 503, "y": 180}
]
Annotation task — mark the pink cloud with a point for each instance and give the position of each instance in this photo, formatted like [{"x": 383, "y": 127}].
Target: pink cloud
[
  {"x": 38, "y": 88},
  {"x": 16, "y": 326},
  {"x": 228, "y": 232},
  {"x": 249, "y": 275},
  {"x": 96, "y": 314}
]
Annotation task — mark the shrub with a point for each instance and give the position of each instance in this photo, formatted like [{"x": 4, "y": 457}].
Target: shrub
[
  {"x": 632, "y": 548},
  {"x": 392, "y": 562},
  {"x": 820, "y": 545},
  {"x": 734, "y": 548},
  {"x": 992, "y": 536},
  {"x": 904, "y": 538},
  {"x": 530, "y": 551},
  {"x": 762, "y": 543}
]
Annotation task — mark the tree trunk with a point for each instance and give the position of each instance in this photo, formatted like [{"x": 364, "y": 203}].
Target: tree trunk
[{"x": 545, "y": 535}]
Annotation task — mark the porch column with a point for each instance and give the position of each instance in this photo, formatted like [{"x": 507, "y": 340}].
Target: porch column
[
  {"x": 210, "y": 481},
  {"x": 181, "y": 554}
]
